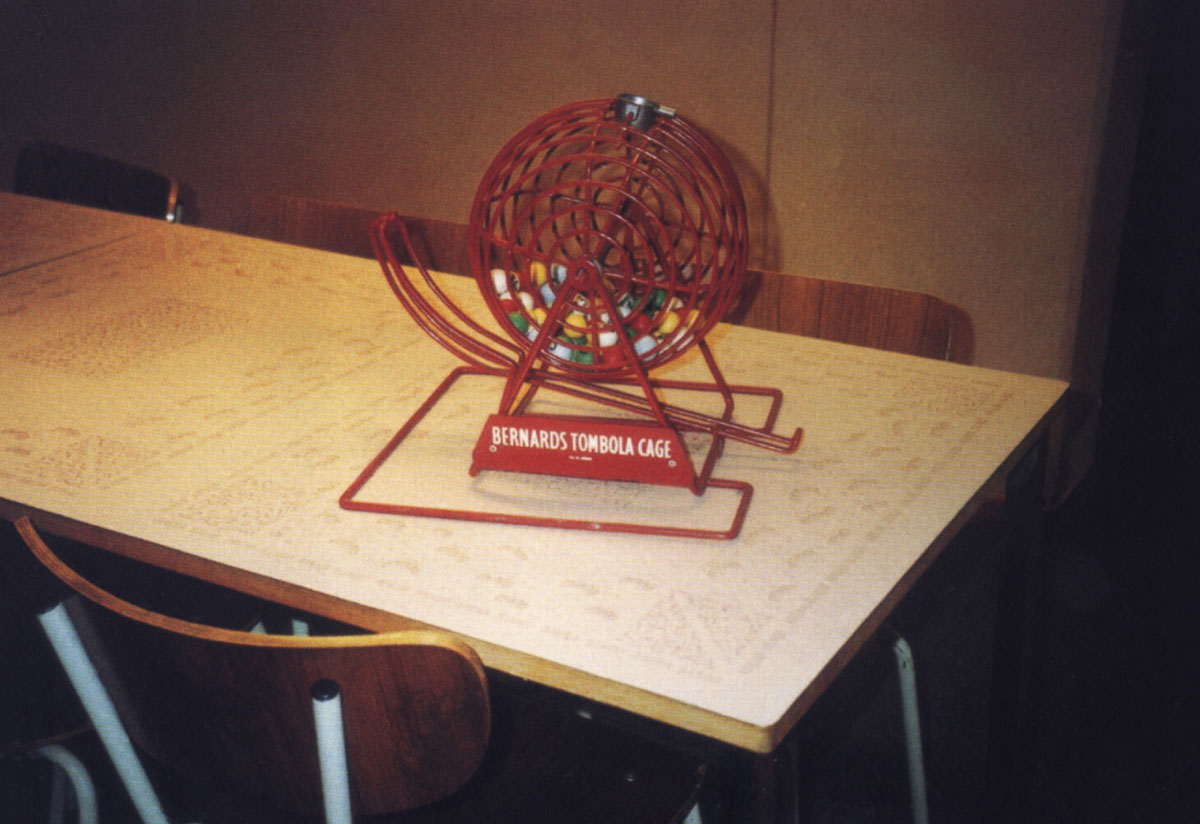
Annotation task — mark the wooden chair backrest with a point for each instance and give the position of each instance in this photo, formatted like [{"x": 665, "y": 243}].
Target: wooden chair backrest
[
  {"x": 878, "y": 317},
  {"x": 61, "y": 173},
  {"x": 333, "y": 227},
  {"x": 235, "y": 709}
]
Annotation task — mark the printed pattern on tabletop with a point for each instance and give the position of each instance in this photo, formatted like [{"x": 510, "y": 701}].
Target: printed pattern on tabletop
[
  {"x": 34, "y": 230},
  {"x": 233, "y": 388}
]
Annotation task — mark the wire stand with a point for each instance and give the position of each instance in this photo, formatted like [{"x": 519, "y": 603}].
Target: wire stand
[{"x": 607, "y": 239}]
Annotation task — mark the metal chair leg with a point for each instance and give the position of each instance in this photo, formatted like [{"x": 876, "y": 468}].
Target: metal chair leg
[
  {"x": 101, "y": 711},
  {"x": 66, "y": 764},
  {"x": 912, "y": 730},
  {"x": 60, "y": 788},
  {"x": 331, "y": 751}
]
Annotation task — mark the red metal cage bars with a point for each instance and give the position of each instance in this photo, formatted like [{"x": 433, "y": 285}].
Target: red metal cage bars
[
  {"x": 607, "y": 238},
  {"x": 444, "y": 321},
  {"x": 593, "y": 228}
]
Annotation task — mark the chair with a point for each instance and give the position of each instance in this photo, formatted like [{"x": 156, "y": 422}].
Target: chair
[
  {"x": 60, "y": 173},
  {"x": 377, "y": 723},
  {"x": 878, "y": 317},
  {"x": 333, "y": 227}
]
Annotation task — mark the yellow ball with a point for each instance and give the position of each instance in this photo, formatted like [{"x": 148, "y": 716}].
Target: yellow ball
[
  {"x": 576, "y": 321},
  {"x": 669, "y": 323}
]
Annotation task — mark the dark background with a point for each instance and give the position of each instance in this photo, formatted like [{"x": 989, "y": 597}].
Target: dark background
[{"x": 1120, "y": 726}]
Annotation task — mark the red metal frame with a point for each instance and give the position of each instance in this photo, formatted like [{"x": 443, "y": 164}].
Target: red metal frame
[
  {"x": 604, "y": 247},
  {"x": 350, "y": 500}
]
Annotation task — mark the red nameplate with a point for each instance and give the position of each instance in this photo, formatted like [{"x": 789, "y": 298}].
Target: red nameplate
[{"x": 597, "y": 448}]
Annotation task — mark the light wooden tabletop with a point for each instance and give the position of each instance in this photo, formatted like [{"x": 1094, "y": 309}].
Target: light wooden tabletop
[
  {"x": 35, "y": 231},
  {"x": 201, "y": 400}
]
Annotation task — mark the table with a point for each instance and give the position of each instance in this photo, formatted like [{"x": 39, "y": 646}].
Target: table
[
  {"x": 36, "y": 231},
  {"x": 200, "y": 400}
]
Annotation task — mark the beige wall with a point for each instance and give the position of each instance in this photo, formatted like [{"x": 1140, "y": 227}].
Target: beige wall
[
  {"x": 948, "y": 147},
  {"x": 943, "y": 146}
]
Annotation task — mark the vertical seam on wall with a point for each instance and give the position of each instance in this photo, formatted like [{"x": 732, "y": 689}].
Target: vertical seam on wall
[
  {"x": 768, "y": 170},
  {"x": 948, "y": 349}
]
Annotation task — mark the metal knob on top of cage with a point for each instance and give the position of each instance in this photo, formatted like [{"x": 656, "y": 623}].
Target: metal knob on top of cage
[{"x": 607, "y": 232}]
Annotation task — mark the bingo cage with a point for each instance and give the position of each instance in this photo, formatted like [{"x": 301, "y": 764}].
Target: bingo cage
[{"x": 607, "y": 238}]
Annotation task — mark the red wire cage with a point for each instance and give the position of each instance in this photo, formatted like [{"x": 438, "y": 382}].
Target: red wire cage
[{"x": 607, "y": 238}]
